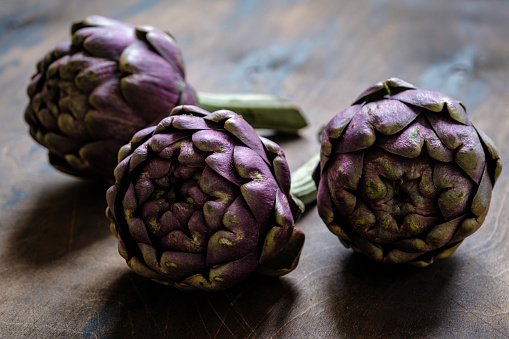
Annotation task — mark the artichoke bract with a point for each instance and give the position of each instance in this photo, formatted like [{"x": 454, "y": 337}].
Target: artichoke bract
[
  {"x": 91, "y": 94},
  {"x": 404, "y": 176},
  {"x": 201, "y": 202}
]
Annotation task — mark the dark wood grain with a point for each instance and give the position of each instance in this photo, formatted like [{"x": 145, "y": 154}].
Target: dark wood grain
[{"x": 60, "y": 273}]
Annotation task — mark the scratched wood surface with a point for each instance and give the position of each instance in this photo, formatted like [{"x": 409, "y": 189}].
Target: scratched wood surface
[{"x": 60, "y": 273}]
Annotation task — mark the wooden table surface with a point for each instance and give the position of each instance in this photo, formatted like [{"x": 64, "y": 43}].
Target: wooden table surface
[{"x": 60, "y": 272}]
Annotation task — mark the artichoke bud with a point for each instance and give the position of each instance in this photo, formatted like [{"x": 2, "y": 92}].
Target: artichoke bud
[
  {"x": 404, "y": 176},
  {"x": 201, "y": 202},
  {"x": 98, "y": 89},
  {"x": 91, "y": 94}
]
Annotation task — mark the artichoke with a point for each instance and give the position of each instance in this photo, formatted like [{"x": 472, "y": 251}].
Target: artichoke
[
  {"x": 404, "y": 176},
  {"x": 201, "y": 202},
  {"x": 91, "y": 94}
]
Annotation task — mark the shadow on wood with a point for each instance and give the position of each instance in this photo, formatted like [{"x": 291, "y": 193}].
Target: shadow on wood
[
  {"x": 68, "y": 217},
  {"x": 380, "y": 300},
  {"x": 138, "y": 307}
]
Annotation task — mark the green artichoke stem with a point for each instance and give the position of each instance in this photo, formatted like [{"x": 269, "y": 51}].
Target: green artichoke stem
[
  {"x": 262, "y": 111},
  {"x": 303, "y": 186}
]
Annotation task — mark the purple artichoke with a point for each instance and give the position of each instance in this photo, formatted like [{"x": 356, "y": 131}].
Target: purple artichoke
[
  {"x": 201, "y": 202},
  {"x": 404, "y": 176},
  {"x": 90, "y": 95}
]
